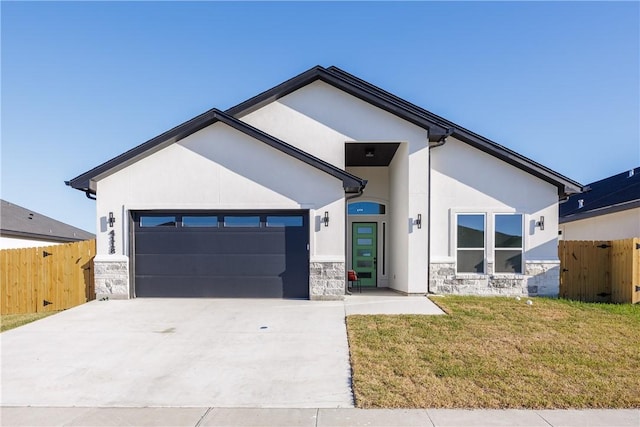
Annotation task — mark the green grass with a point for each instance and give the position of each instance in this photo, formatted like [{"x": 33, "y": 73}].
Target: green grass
[
  {"x": 10, "y": 321},
  {"x": 491, "y": 352}
]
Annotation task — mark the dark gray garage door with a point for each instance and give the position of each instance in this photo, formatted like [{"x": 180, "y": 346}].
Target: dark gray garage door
[{"x": 221, "y": 254}]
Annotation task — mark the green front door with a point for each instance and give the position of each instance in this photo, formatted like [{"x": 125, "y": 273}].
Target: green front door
[{"x": 364, "y": 252}]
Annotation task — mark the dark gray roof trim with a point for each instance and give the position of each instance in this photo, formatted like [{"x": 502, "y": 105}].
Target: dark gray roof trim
[
  {"x": 323, "y": 74},
  {"x": 438, "y": 127},
  {"x": 350, "y": 183},
  {"x": 16, "y": 221}
]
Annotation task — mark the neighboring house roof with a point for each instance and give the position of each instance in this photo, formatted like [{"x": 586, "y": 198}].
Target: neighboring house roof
[
  {"x": 613, "y": 194},
  {"x": 16, "y": 221},
  {"x": 351, "y": 183},
  {"x": 438, "y": 129}
]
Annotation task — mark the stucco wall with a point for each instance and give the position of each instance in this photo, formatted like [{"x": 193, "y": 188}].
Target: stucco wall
[
  {"x": 377, "y": 182},
  {"x": 320, "y": 119},
  {"x": 221, "y": 168},
  {"x": 399, "y": 275},
  {"x": 418, "y": 236},
  {"x": 613, "y": 226},
  {"x": 464, "y": 179}
]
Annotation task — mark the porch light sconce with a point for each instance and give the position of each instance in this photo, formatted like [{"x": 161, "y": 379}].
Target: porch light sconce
[
  {"x": 111, "y": 219},
  {"x": 419, "y": 221},
  {"x": 540, "y": 223},
  {"x": 325, "y": 219},
  {"x": 369, "y": 152}
]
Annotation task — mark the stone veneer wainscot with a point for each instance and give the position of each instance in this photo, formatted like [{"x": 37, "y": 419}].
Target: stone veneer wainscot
[
  {"x": 111, "y": 276},
  {"x": 326, "y": 280},
  {"x": 541, "y": 278}
]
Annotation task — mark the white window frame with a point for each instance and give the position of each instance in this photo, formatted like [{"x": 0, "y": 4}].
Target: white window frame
[{"x": 484, "y": 249}]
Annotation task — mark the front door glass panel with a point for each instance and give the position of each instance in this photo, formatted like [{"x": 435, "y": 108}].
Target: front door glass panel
[{"x": 364, "y": 252}]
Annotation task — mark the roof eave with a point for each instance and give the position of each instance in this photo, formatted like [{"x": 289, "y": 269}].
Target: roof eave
[
  {"x": 436, "y": 126},
  {"x": 87, "y": 181},
  {"x": 83, "y": 182},
  {"x": 565, "y": 185},
  {"x": 334, "y": 79},
  {"x": 348, "y": 180}
]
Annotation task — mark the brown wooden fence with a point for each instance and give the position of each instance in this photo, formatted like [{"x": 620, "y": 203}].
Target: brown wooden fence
[
  {"x": 600, "y": 271},
  {"x": 50, "y": 278}
]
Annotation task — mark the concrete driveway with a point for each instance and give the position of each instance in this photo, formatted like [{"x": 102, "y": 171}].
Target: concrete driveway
[{"x": 181, "y": 352}]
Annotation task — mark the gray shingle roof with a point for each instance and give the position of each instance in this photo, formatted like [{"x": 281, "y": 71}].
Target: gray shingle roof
[{"x": 16, "y": 221}]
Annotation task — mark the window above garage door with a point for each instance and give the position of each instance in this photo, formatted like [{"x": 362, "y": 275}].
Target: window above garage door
[{"x": 190, "y": 220}]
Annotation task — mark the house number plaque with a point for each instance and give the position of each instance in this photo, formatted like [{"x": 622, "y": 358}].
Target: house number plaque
[{"x": 112, "y": 242}]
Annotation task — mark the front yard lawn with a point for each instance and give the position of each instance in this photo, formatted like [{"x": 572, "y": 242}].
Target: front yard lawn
[{"x": 492, "y": 352}]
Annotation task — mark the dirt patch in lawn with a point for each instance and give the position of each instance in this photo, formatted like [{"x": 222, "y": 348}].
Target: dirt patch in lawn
[{"x": 492, "y": 352}]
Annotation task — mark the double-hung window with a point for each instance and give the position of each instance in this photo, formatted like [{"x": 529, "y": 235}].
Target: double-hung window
[
  {"x": 471, "y": 243},
  {"x": 508, "y": 244}
]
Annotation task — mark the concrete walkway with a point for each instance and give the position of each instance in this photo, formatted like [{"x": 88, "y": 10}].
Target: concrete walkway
[
  {"x": 385, "y": 301},
  {"x": 200, "y": 417}
]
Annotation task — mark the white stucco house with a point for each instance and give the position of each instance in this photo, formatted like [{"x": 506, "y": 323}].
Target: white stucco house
[
  {"x": 284, "y": 193},
  {"x": 24, "y": 228},
  {"x": 609, "y": 209}
]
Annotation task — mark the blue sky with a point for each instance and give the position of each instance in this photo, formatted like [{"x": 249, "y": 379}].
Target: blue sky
[{"x": 85, "y": 81}]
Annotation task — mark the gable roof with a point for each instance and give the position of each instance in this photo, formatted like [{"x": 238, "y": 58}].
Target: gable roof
[
  {"x": 613, "y": 194},
  {"x": 333, "y": 78},
  {"x": 16, "y": 221},
  {"x": 351, "y": 183},
  {"x": 437, "y": 126}
]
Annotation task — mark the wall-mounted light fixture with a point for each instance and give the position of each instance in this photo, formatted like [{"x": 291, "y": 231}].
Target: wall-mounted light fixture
[
  {"x": 540, "y": 223},
  {"x": 111, "y": 219},
  {"x": 419, "y": 221},
  {"x": 369, "y": 152},
  {"x": 325, "y": 219}
]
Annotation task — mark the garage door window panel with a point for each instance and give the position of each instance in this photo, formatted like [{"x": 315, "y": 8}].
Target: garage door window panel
[
  {"x": 148, "y": 221},
  {"x": 242, "y": 221},
  {"x": 284, "y": 221},
  {"x": 199, "y": 221}
]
